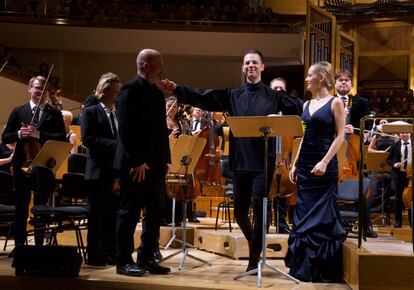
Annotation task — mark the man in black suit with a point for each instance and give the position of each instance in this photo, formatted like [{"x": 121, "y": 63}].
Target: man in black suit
[
  {"x": 253, "y": 98},
  {"x": 48, "y": 125},
  {"x": 356, "y": 107},
  {"x": 99, "y": 131},
  {"x": 400, "y": 161},
  {"x": 142, "y": 158}
]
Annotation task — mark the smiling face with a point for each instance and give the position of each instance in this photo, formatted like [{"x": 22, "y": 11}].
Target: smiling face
[
  {"x": 313, "y": 80},
  {"x": 252, "y": 67},
  {"x": 35, "y": 91}
]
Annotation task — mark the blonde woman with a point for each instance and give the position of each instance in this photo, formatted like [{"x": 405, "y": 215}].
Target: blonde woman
[
  {"x": 315, "y": 242},
  {"x": 70, "y": 135}
]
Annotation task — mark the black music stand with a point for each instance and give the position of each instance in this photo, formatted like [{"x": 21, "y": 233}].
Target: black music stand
[
  {"x": 377, "y": 161},
  {"x": 185, "y": 154},
  {"x": 265, "y": 127}
]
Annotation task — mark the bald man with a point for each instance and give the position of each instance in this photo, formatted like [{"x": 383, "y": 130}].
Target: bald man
[{"x": 142, "y": 158}]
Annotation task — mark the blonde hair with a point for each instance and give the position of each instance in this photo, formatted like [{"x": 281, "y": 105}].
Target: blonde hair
[
  {"x": 40, "y": 79},
  {"x": 105, "y": 83},
  {"x": 325, "y": 69},
  {"x": 67, "y": 118}
]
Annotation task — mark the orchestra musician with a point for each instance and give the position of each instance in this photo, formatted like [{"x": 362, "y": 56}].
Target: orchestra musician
[
  {"x": 253, "y": 98},
  {"x": 48, "y": 125},
  {"x": 100, "y": 131},
  {"x": 279, "y": 84},
  {"x": 356, "y": 107},
  {"x": 401, "y": 163},
  {"x": 142, "y": 158},
  {"x": 70, "y": 135}
]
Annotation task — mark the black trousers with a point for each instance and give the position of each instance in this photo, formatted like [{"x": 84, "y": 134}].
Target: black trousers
[
  {"x": 103, "y": 207},
  {"x": 22, "y": 185},
  {"x": 149, "y": 195},
  {"x": 399, "y": 181},
  {"x": 249, "y": 189}
]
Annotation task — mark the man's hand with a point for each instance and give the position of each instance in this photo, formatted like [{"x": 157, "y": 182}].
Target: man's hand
[
  {"x": 398, "y": 165},
  {"x": 29, "y": 131},
  {"x": 166, "y": 85},
  {"x": 138, "y": 173}
]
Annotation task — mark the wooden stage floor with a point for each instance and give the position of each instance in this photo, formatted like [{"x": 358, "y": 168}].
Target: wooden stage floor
[
  {"x": 194, "y": 276},
  {"x": 383, "y": 252}
]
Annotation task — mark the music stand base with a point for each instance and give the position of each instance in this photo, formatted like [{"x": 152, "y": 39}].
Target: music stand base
[{"x": 259, "y": 271}]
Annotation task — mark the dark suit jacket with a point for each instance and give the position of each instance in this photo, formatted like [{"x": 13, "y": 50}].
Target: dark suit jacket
[
  {"x": 143, "y": 133},
  {"x": 395, "y": 155},
  {"x": 98, "y": 137},
  {"x": 203, "y": 124},
  {"x": 50, "y": 126},
  {"x": 359, "y": 109}
]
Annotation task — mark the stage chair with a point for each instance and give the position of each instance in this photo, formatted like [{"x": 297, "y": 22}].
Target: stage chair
[
  {"x": 348, "y": 199},
  {"x": 7, "y": 212},
  {"x": 228, "y": 202},
  {"x": 56, "y": 219}
]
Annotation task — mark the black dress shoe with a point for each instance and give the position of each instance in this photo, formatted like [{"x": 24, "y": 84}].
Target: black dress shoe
[
  {"x": 369, "y": 233},
  {"x": 130, "y": 270},
  {"x": 398, "y": 224},
  {"x": 153, "y": 267},
  {"x": 193, "y": 219},
  {"x": 157, "y": 255}
]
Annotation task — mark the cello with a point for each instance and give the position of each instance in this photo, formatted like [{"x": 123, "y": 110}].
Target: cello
[{"x": 350, "y": 169}]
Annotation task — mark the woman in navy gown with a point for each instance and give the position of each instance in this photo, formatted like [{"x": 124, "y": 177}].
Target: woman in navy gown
[{"x": 315, "y": 242}]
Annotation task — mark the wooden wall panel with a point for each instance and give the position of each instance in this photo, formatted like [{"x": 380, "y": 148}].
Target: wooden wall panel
[{"x": 384, "y": 38}]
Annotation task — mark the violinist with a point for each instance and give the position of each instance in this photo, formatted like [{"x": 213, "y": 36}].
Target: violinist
[
  {"x": 356, "y": 107},
  {"x": 47, "y": 125},
  {"x": 6, "y": 155},
  {"x": 70, "y": 135},
  {"x": 401, "y": 163}
]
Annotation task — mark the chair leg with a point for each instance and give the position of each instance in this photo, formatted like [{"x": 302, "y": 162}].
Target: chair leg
[
  {"x": 80, "y": 243},
  {"x": 228, "y": 214},
  {"x": 217, "y": 215},
  {"x": 8, "y": 236}
]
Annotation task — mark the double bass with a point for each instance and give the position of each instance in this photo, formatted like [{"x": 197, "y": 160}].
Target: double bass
[{"x": 208, "y": 169}]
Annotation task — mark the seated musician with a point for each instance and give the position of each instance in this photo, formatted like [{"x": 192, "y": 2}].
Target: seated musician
[
  {"x": 21, "y": 126},
  {"x": 400, "y": 162},
  {"x": 70, "y": 135},
  {"x": 6, "y": 155},
  {"x": 198, "y": 121}
]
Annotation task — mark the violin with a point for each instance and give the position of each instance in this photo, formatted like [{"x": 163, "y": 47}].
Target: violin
[{"x": 31, "y": 145}]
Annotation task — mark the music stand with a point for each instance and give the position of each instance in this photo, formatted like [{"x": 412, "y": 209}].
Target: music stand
[
  {"x": 269, "y": 126},
  {"x": 184, "y": 157},
  {"x": 52, "y": 155},
  {"x": 377, "y": 161}
]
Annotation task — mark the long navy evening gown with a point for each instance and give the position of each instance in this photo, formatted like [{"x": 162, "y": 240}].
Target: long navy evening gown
[{"x": 315, "y": 242}]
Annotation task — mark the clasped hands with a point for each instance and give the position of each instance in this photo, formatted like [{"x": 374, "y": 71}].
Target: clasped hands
[{"x": 28, "y": 131}]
